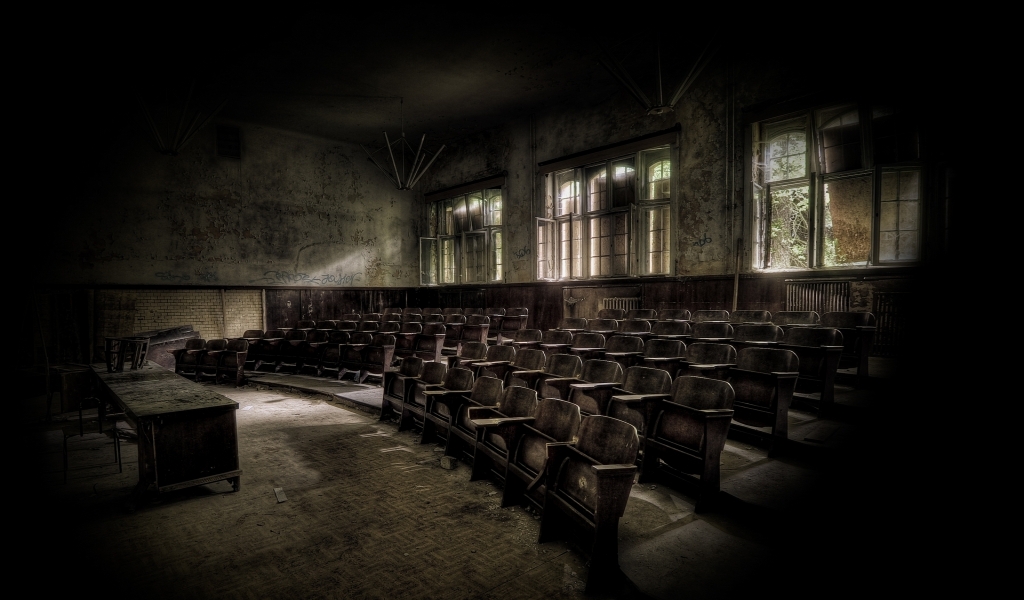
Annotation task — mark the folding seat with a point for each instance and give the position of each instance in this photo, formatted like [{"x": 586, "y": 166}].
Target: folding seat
[
  {"x": 671, "y": 330},
  {"x": 475, "y": 329},
  {"x": 738, "y": 317},
  {"x": 526, "y": 338},
  {"x": 430, "y": 342},
  {"x": 629, "y": 402},
  {"x": 405, "y": 339},
  {"x": 390, "y": 327},
  {"x": 497, "y": 357},
  {"x": 391, "y": 317},
  {"x": 351, "y": 316},
  {"x": 711, "y": 331},
  {"x": 760, "y": 335},
  {"x": 556, "y": 365},
  {"x": 351, "y": 353},
  {"x": 587, "y": 486},
  {"x": 708, "y": 359},
  {"x": 330, "y": 357},
  {"x": 673, "y": 314},
  {"x": 293, "y": 349},
  {"x": 623, "y": 349},
  {"x": 587, "y": 346},
  {"x": 616, "y": 314},
  {"x": 686, "y": 434},
  {"x": 394, "y": 383},
  {"x": 457, "y": 380},
  {"x": 451, "y": 311},
  {"x": 605, "y": 327},
  {"x": 474, "y": 311},
  {"x": 267, "y": 348},
  {"x": 487, "y": 393},
  {"x": 371, "y": 316},
  {"x": 640, "y": 328},
  {"x": 368, "y": 325},
  {"x": 390, "y": 312},
  {"x": 306, "y": 325},
  {"x": 858, "y": 329},
  {"x": 209, "y": 359},
  {"x": 469, "y": 353},
  {"x": 376, "y": 356},
  {"x": 496, "y": 314},
  {"x": 572, "y": 324},
  {"x": 663, "y": 354},
  {"x": 555, "y": 341},
  {"x": 186, "y": 359},
  {"x": 513, "y": 320},
  {"x": 701, "y": 316},
  {"x": 648, "y": 314},
  {"x": 409, "y": 310},
  {"x": 818, "y": 349},
  {"x": 796, "y": 318},
  {"x": 764, "y": 380},
  {"x": 412, "y": 318},
  {"x": 414, "y": 403},
  {"x": 232, "y": 362},
  {"x": 347, "y": 324},
  {"x": 554, "y": 422},
  {"x": 453, "y": 324},
  {"x": 527, "y": 360},
  {"x": 490, "y": 448},
  {"x": 433, "y": 315},
  {"x": 316, "y": 341},
  {"x": 327, "y": 325},
  {"x": 596, "y": 374},
  {"x": 251, "y": 335}
]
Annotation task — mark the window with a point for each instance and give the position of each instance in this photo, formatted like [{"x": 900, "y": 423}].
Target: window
[
  {"x": 608, "y": 219},
  {"x": 836, "y": 187},
  {"x": 466, "y": 241}
]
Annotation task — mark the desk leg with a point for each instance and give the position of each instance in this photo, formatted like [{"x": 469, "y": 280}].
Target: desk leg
[{"x": 236, "y": 483}]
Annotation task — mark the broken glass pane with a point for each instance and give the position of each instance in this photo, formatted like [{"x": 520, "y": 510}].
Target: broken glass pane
[
  {"x": 847, "y": 216},
  {"x": 789, "y": 227}
]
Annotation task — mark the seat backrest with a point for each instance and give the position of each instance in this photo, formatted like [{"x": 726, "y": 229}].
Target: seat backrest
[
  {"x": 813, "y": 336},
  {"x": 361, "y": 337},
  {"x": 433, "y": 329},
  {"x": 306, "y": 324},
  {"x": 602, "y": 371},
  {"x": 238, "y": 345},
  {"x": 647, "y": 380},
  {"x": 512, "y": 323},
  {"x": 434, "y": 372},
  {"x": 588, "y": 340},
  {"x": 412, "y": 366},
  {"x": 517, "y": 312},
  {"x": 295, "y": 335},
  {"x": 712, "y": 329},
  {"x": 195, "y": 344},
  {"x": 410, "y": 327},
  {"x": 795, "y": 317},
  {"x": 518, "y": 401},
  {"x": 527, "y": 335},
  {"x": 674, "y": 314},
  {"x": 327, "y": 324},
  {"x": 393, "y": 310},
  {"x": 558, "y": 419},
  {"x": 634, "y": 326},
  {"x": 478, "y": 319},
  {"x": 372, "y": 316},
  {"x": 318, "y": 336},
  {"x": 710, "y": 353},
  {"x": 494, "y": 311},
  {"x": 572, "y": 323},
  {"x": 473, "y": 311},
  {"x": 458, "y": 378},
  {"x": 616, "y": 314},
  {"x": 847, "y": 320},
  {"x": 703, "y": 393},
  {"x": 454, "y": 319},
  {"x": 382, "y": 339},
  {"x": 273, "y": 334},
  {"x": 608, "y": 441},
  {"x": 393, "y": 316},
  {"x": 351, "y": 317},
  {"x": 216, "y": 344},
  {"x": 473, "y": 350},
  {"x": 655, "y": 348},
  {"x": 369, "y": 325},
  {"x": 340, "y": 337},
  {"x": 530, "y": 358},
  {"x": 602, "y": 325},
  {"x": 487, "y": 391},
  {"x": 641, "y": 313},
  {"x": 556, "y": 336},
  {"x": 412, "y": 318},
  {"x": 432, "y": 311},
  {"x": 750, "y": 316},
  {"x": 624, "y": 343},
  {"x": 564, "y": 365},
  {"x": 757, "y": 332},
  {"x": 701, "y": 316},
  {"x": 253, "y": 333},
  {"x": 670, "y": 328},
  {"x": 767, "y": 360},
  {"x": 347, "y": 325},
  {"x": 412, "y": 311},
  {"x": 502, "y": 352},
  {"x": 452, "y": 311}
]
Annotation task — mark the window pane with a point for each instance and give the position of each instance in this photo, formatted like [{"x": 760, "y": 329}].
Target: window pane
[
  {"x": 448, "y": 268},
  {"x": 448, "y": 223},
  {"x": 788, "y": 156},
  {"x": 496, "y": 266},
  {"x": 789, "y": 227},
  {"x": 658, "y": 174},
  {"x": 899, "y": 238},
  {"x": 609, "y": 245},
  {"x": 657, "y": 226},
  {"x": 840, "y": 142},
  {"x": 475, "y": 203},
  {"x": 461, "y": 218},
  {"x": 545, "y": 249},
  {"x": 623, "y": 182},
  {"x": 847, "y": 217},
  {"x": 473, "y": 257},
  {"x": 428, "y": 261},
  {"x": 493, "y": 198},
  {"x": 597, "y": 188},
  {"x": 567, "y": 192}
]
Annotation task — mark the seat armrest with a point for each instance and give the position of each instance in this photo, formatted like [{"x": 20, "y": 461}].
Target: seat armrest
[
  {"x": 613, "y": 470},
  {"x": 592, "y": 386},
  {"x": 638, "y": 398},
  {"x": 485, "y": 423}
]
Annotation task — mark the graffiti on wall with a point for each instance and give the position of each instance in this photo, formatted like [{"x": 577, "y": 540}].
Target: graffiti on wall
[{"x": 290, "y": 278}]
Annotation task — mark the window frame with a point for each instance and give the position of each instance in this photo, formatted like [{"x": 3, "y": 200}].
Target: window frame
[{"x": 474, "y": 232}]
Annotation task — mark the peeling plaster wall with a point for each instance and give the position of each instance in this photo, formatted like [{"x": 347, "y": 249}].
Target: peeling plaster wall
[{"x": 295, "y": 210}]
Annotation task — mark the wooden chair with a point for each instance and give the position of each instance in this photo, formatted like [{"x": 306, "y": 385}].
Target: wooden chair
[
  {"x": 394, "y": 386},
  {"x": 433, "y": 315},
  {"x": 629, "y": 402},
  {"x": 739, "y": 317},
  {"x": 623, "y": 349},
  {"x": 457, "y": 381},
  {"x": 186, "y": 359},
  {"x": 640, "y": 328},
  {"x": 292, "y": 351},
  {"x": 452, "y": 415},
  {"x": 527, "y": 338},
  {"x": 316, "y": 341},
  {"x": 818, "y": 349},
  {"x": 209, "y": 359},
  {"x": 528, "y": 359},
  {"x": 596, "y": 373},
  {"x": 232, "y": 362},
  {"x": 475, "y": 330},
  {"x": 556, "y": 341},
  {"x": 605, "y": 327},
  {"x": 376, "y": 357},
  {"x": 648, "y": 314},
  {"x": 513, "y": 320},
  {"x": 555, "y": 421},
  {"x": 671, "y": 330},
  {"x": 268, "y": 348},
  {"x": 759, "y": 335},
  {"x": 430, "y": 342},
  {"x": 496, "y": 358},
  {"x": 330, "y": 358},
  {"x": 764, "y": 380},
  {"x": 306, "y": 325},
  {"x": 415, "y": 401},
  {"x": 796, "y": 318},
  {"x": 557, "y": 365},
  {"x": 673, "y": 314},
  {"x": 616, "y": 314},
  {"x": 469, "y": 353},
  {"x": 686, "y": 434},
  {"x": 587, "y": 485},
  {"x": 663, "y": 354},
  {"x": 712, "y": 331},
  {"x": 704, "y": 316},
  {"x": 490, "y": 448},
  {"x": 858, "y": 329},
  {"x": 708, "y": 359},
  {"x": 587, "y": 346},
  {"x": 572, "y": 324},
  {"x": 405, "y": 339},
  {"x": 453, "y": 324}
]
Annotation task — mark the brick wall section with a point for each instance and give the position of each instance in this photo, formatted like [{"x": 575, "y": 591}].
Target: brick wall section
[{"x": 160, "y": 309}]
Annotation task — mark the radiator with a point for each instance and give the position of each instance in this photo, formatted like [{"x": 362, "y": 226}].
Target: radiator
[
  {"x": 623, "y": 303},
  {"x": 819, "y": 296}
]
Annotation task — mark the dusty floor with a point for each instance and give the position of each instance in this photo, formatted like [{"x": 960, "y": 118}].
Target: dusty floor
[{"x": 369, "y": 513}]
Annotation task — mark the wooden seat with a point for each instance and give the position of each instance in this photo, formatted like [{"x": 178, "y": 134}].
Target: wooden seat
[
  {"x": 394, "y": 386},
  {"x": 526, "y": 360},
  {"x": 671, "y": 330},
  {"x": 703, "y": 316},
  {"x": 330, "y": 358},
  {"x": 764, "y": 380},
  {"x": 490, "y": 449},
  {"x": 572, "y": 324},
  {"x": 623, "y": 349},
  {"x": 795, "y": 318},
  {"x": 711, "y": 331},
  {"x": 858, "y": 329},
  {"x": 430, "y": 342},
  {"x": 673, "y": 314},
  {"x": 475, "y": 329},
  {"x": 616, "y": 314},
  {"x": 453, "y": 324},
  {"x": 496, "y": 358},
  {"x": 587, "y": 346},
  {"x": 587, "y": 485},
  {"x": 452, "y": 415},
  {"x": 405, "y": 339},
  {"x": 749, "y": 335},
  {"x": 316, "y": 341},
  {"x": 663, "y": 354},
  {"x": 209, "y": 359},
  {"x": 708, "y": 359},
  {"x": 738, "y": 317},
  {"x": 186, "y": 359},
  {"x": 556, "y": 341},
  {"x": 596, "y": 373},
  {"x": 232, "y": 362},
  {"x": 293, "y": 350},
  {"x": 306, "y": 325},
  {"x": 414, "y": 403},
  {"x": 605, "y": 327},
  {"x": 469, "y": 353},
  {"x": 818, "y": 349},
  {"x": 686, "y": 434},
  {"x": 629, "y": 401},
  {"x": 648, "y": 314},
  {"x": 527, "y": 338},
  {"x": 557, "y": 365}
]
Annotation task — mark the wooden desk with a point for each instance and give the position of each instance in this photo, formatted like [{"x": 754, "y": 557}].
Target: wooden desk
[{"x": 187, "y": 432}]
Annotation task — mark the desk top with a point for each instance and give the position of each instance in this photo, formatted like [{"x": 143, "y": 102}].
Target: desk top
[{"x": 154, "y": 390}]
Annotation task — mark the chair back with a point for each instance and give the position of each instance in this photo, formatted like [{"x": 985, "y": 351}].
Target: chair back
[
  {"x": 624, "y": 343},
  {"x": 318, "y": 336},
  {"x": 564, "y": 365},
  {"x": 602, "y": 371},
  {"x": 487, "y": 391},
  {"x": 361, "y": 338},
  {"x": 253, "y": 334},
  {"x": 710, "y": 353},
  {"x": 558, "y": 419},
  {"x": 306, "y": 324},
  {"x": 518, "y": 401},
  {"x": 703, "y": 393},
  {"x": 473, "y": 351},
  {"x": 647, "y": 380},
  {"x": 813, "y": 337},
  {"x": 608, "y": 441},
  {"x": 601, "y": 325},
  {"x": 656, "y": 348},
  {"x": 572, "y": 324},
  {"x": 634, "y": 326},
  {"x": 556, "y": 336},
  {"x": 702, "y": 316},
  {"x": 712, "y": 329},
  {"x": 674, "y": 314},
  {"x": 458, "y": 378},
  {"x": 847, "y": 320},
  {"x": 340, "y": 337},
  {"x": 195, "y": 344},
  {"x": 750, "y": 316},
  {"x": 216, "y": 344},
  {"x": 411, "y": 366},
  {"x": 529, "y": 358},
  {"x": 767, "y": 360},
  {"x": 616, "y": 314},
  {"x": 588, "y": 340},
  {"x": 527, "y": 336},
  {"x": 796, "y": 317},
  {"x": 500, "y": 353},
  {"x": 641, "y": 313},
  {"x": 434, "y": 372},
  {"x": 674, "y": 328},
  {"x": 757, "y": 332}
]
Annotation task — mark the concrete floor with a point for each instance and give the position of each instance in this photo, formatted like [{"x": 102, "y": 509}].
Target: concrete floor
[{"x": 370, "y": 513}]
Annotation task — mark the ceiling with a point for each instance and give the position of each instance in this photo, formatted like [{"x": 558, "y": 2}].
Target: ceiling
[{"x": 351, "y": 78}]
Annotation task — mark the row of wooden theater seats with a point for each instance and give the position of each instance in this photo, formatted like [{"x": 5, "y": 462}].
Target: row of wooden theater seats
[
  {"x": 742, "y": 326},
  {"x": 506, "y": 430},
  {"x": 217, "y": 358}
]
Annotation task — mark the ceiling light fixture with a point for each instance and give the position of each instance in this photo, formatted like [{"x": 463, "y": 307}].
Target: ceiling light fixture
[
  {"x": 402, "y": 178},
  {"x": 661, "y": 107}
]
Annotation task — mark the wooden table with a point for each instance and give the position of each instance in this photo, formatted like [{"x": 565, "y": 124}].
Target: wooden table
[{"x": 187, "y": 431}]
